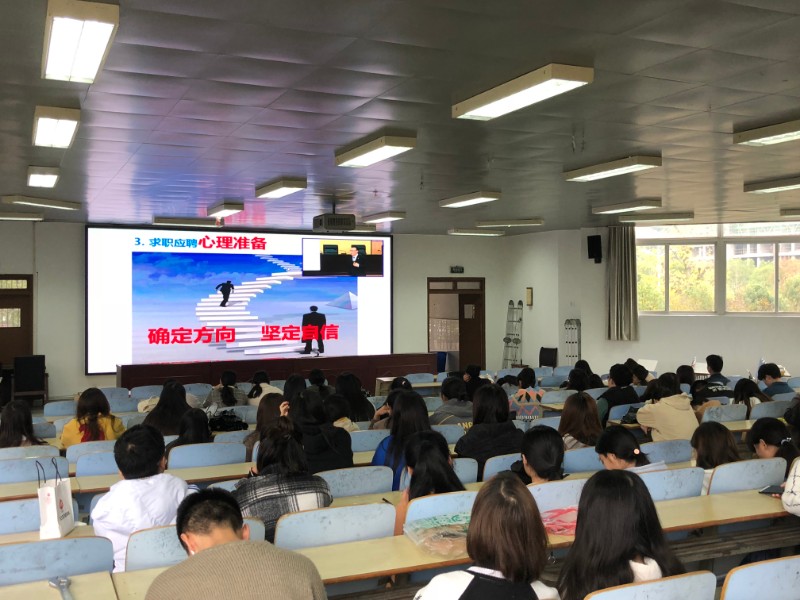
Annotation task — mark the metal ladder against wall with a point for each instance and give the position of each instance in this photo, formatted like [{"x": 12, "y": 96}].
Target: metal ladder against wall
[
  {"x": 512, "y": 348},
  {"x": 572, "y": 340}
]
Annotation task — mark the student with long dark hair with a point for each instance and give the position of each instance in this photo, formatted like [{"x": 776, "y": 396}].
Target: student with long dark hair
[
  {"x": 193, "y": 429},
  {"x": 577, "y": 380},
  {"x": 430, "y": 467},
  {"x": 336, "y": 410},
  {"x": 542, "y": 455},
  {"x": 166, "y": 415},
  {"x": 526, "y": 382},
  {"x": 409, "y": 416},
  {"x": 318, "y": 381},
  {"x": 93, "y": 420},
  {"x": 492, "y": 433},
  {"x": 618, "y": 449},
  {"x": 580, "y": 424},
  {"x": 618, "y": 538},
  {"x": 226, "y": 394},
  {"x": 326, "y": 447},
  {"x": 507, "y": 543},
  {"x": 747, "y": 392},
  {"x": 770, "y": 438},
  {"x": 293, "y": 385},
  {"x": 455, "y": 407},
  {"x": 349, "y": 386},
  {"x": 16, "y": 426},
  {"x": 261, "y": 387},
  {"x": 594, "y": 380},
  {"x": 270, "y": 408},
  {"x": 714, "y": 445}
]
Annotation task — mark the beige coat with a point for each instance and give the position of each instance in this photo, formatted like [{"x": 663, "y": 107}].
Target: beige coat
[{"x": 670, "y": 418}]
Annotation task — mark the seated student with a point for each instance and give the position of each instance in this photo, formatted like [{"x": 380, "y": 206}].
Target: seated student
[
  {"x": 166, "y": 415},
  {"x": 430, "y": 469},
  {"x": 713, "y": 445},
  {"x": 270, "y": 408},
  {"x": 455, "y": 407},
  {"x": 318, "y": 381},
  {"x": 492, "y": 433},
  {"x": 349, "y": 386},
  {"x": 93, "y": 421},
  {"x": 211, "y": 529},
  {"x": 472, "y": 377},
  {"x": 577, "y": 380},
  {"x": 594, "y": 380},
  {"x": 16, "y": 426},
  {"x": 293, "y": 385},
  {"x": 409, "y": 415},
  {"x": 527, "y": 390},
  {"x": 717, "y": 382},
  {"x": 326, "y": 447},
  {"x": 640, "y": 375},
  {"x": 579, "y": 425},
  {"x": 336, "y": 410},
  {"x": 770, "y": 438},
  {"x": 619, "y": 391},
  {"x": 507, "y": 543},
  {"x": 226, "y": 394},
  {"x": 382, "y": 419},
  {"x": 746, "y": 392},
  {"x": 618, "y": 449},
  {"x": 791, "y": 491},
  {"x": 618, "y": 538},
  {"x": 261, "y": 387},
  {"x": 685, "y": 374},
  {"x": 146, "y": 497},
  {"x": 509, "y": 383},
  {"x": 667, "y": 416},
  {"x": 193, "y": 429},
  {"x": 770, "y": 374},
  {"x": 542, "y": 456},
  {"x": 280, "y": 483}
]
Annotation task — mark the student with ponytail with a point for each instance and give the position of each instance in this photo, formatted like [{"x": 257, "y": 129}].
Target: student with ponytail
[
  {"x": 226, "y": 394},
  {"x": 455, "y": 408},
  {"x": 770, "y": 438},
  {"x": 431, "y": 470},
  {"x": 93, "y": 421},
  {"x": 618, "y": 449}
]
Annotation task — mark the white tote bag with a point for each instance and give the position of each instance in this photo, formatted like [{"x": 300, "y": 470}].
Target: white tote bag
[{"x": 56, "y": 518}]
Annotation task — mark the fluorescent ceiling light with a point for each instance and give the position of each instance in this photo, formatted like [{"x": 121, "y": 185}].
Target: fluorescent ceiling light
[
  {"x": 770, "y": 187},
  {"x": 55, "y": 127},
  {"x": 766, "y": 136},
  {"x": 187, "y": 221},
  {"x": 510, "y": 223},
  {"x": 45, "y": 177},
  {"x": 375, "y": 151},
  {"x": 541, "y": 84},
  {"x": 481, "y": 232},
  {"x": 676, "y": 216},
  {"x": 469, "y": 199},
  {"x": 41, "y": 202},
  {"x": 9, "y": 216},
  {"x": 77, "y": 38},
  {"x": 615, "y": 167},
  {"x": 790, "y": 212},
  {"x": 225, "y": 209},
  {"x": 281, "y": 188},
  {"x": 385, "y": 217},
  {"x": 364, "y": 228},
  {"x": 630, "y": 206}
]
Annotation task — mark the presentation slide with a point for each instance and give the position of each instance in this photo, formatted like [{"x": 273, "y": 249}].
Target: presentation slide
[{"x": 157, "y": 295}]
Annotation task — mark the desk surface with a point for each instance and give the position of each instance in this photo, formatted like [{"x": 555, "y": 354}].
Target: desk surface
[
  {"x": 101, "y": 483},
  {"x": 361, "y": 459},
  {"x": 33, "y": 536},
  {"x": 133, "y": 585},
  {"x": 94, "y": 586},
  {"x": 26, "y": 489}
]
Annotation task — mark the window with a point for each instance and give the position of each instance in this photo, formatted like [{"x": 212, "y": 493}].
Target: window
[
  {"x": 691, "y": 278},
  {"x": 789, "y": 278},
  {"x": 13, "y": 284},
  {"x": 650, "y": 279},
  {"x": 750, "y": 278},
  {"x": 10, "y": 317}
]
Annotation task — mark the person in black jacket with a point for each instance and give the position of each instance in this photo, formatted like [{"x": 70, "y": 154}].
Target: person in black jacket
[
  {"x": 326, "y": 447},
  {"x": 619, "y": 391},
  {"x": 492, "y": 433},
  {"x": 473, "y": 379}
]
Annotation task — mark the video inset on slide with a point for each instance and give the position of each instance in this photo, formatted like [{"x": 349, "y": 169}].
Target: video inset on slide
[{"x": 338, "y": 257}]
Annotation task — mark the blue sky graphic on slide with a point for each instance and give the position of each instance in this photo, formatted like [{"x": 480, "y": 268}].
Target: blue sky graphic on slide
[{"x": 168, "y": 286}]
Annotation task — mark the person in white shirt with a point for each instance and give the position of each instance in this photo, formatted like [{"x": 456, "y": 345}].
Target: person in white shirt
[
  {"x": 618, "y": 538},
  {"x": 507, "y": 543},
  {"x": 146, "y": 497}
]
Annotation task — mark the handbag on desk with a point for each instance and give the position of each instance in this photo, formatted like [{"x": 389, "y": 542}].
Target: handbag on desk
[{"x": 226, "y": 420}]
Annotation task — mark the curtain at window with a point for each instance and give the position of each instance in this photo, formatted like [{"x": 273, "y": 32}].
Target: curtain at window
[{"x": 623, "y": 312}]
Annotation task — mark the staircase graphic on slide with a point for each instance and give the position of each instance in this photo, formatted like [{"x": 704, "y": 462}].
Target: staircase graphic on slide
[{"x": 236, "y": 313}]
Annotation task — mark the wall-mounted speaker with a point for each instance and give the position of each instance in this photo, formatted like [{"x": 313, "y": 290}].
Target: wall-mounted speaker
[{"x": 594, "y": 246}]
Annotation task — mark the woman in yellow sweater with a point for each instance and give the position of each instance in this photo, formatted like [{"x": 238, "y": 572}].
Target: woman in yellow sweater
[{"x": 93, "y": 421}]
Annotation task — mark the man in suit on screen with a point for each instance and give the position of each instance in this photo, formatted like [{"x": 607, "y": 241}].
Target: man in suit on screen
[
  {"x": 313, "y": 319},
  {"x": 357, "y": 268}
]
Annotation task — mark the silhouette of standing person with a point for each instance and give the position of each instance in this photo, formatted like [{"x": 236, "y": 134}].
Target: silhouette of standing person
[
  {"x": 226, "y": 289},
  {"x": 314, "y": 319}
]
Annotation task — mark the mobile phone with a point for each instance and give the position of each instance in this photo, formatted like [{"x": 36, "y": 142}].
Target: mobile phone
[{"x": 771, "y": 489}]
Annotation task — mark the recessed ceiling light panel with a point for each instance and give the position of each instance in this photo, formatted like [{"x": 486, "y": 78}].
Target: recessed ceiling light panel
[
  {"x": 375, "y": 151},
  {"x": 770, "y": 187},
  {"x": 630, "y": 206},
  {"x": 478, "y": 232},
  {"x": 511, "y": 223},
  {"x": 55, "y": 127},
  {"x": 469, "y": 199},
  {"x": 187, "y": 222},
  {"x": 45, "y": 177},
  {"x": 623, "y": 166},
  {"x": 385, "y": 217},
  {"x": 41, "y": 202},
  {"x": 225, "y": 209},
  {"x": 664, "y": 217},
  {"x": 281, "y": 187},
  {"x": 10, "y": 216},
  {"x": 767, "y": 136}
]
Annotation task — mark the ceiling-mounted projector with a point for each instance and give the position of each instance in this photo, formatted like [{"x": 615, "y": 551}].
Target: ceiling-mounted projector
[{"x": 334, "y": 223}]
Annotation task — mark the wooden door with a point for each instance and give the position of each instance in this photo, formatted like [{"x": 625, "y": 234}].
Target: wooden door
[
  {"x": 16, "y": 317},
  {"x": 471, "y": 342}
]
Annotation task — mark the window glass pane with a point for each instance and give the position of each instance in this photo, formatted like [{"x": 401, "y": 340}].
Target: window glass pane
[
  {"x": 760, "y": 229},
  {"x": 10, "y": 317},
  {"x": 656, "y": 232},
  {"x": 440, "y": 285},
  {"x": 691, "y": 278},
  {"x": 750, "y": 278},
  {"x": 789, "y": 282},
  {"x": 650, "y": 277},
  {"x": 13, "y": 284}
]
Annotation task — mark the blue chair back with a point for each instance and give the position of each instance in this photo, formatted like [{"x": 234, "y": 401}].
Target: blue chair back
[
  {"x": 356, "y": 481},
  {"x": 96, "y": 463},
  {"x": 78, "y": 450},
  {"x": 19, "y": 516},
  {"x": 785, "y": 397},
  {"x": 747, "y": 475},
  {"x": 35, "y": 561},
  {"x": 28, "y": 452},
  {"x": 432, "y": 402},
  {"x": 700, "y": 585},
  {"x": 466, "y": 469},
  {"x": 116, "y": 393},
  {"x": 236, "y": 437},
  {"x": 339, "y": 525},
  {"x": 776, "y": 409},
  {"x": 169, "y": 438},
  {"x": 206, "y": 455},
  {"x": 496, "y": 464},
  {"x": 723, "y": 414},
  {"x": 377, "y": 401},
  {"x": 17, "y": 470},
  {"x": 792, "y": 382},
  {"x": 596, "y": 392},
  {"x": 562, "y": 372},
  {"x": 365, "y": 441},
  {"x": 441, "y": 376},
  {"x": 522, "y": 425},
  {"x": 440, "y": 504},
  {"x": 121, "y": 405},
  {"x": 130, "y": 420},
  {"x": 557, "y": 494},
  {"x": 670, "y": 451},
  {"x": 59, "y": 425},
  {"x": 420, "y": 377},
  {"x": 547, "y": 422},
  {"x": 615, "y": 413},
  {"x": 62, "y": 408},
  {"x": 452, "y": 433},
  {"x": 44, "y": 430},
  {"x": 685, "y": 388},
  {"x": 556, "y": 396},
  {"x": 201, "y": 390},
  {"x": 581, "y": 460},
  {"x": 551, "y": 381},
  {"x": 723, "y": 400},
  {"x": 672, "y": 484},
  {"x": 229, "y": 485},
  {"x": 278, "y": 383},
  {"x": 246, "y": 413},
  {"x": 777, "y": 579},
  {"x": 143, "y": 392},
  {"x": 542, "y": 372},
  {"x": 639, "y": 389}
]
